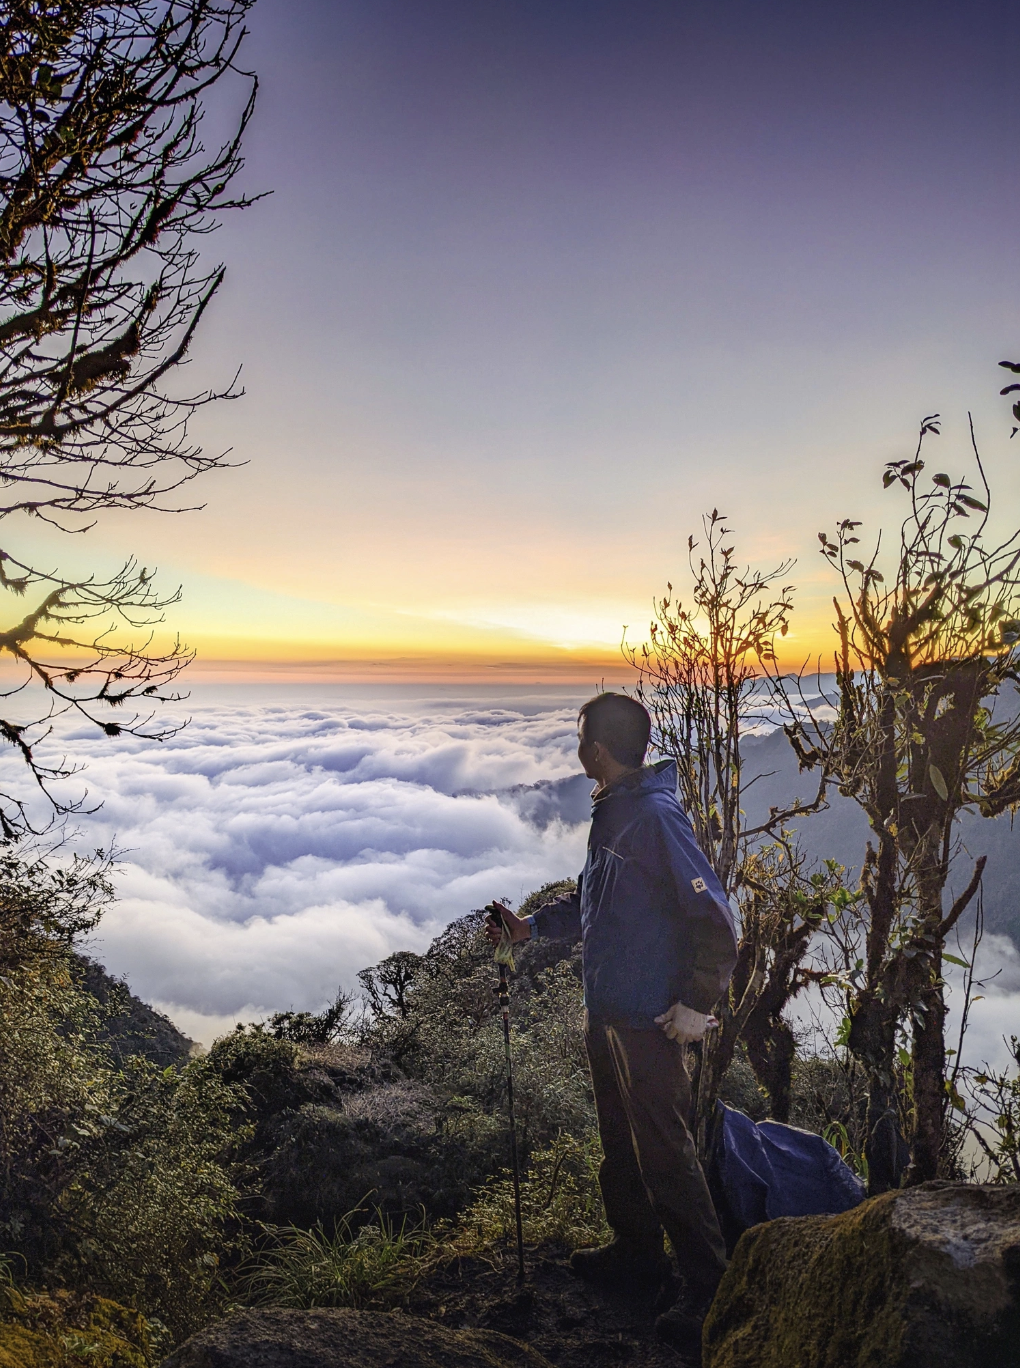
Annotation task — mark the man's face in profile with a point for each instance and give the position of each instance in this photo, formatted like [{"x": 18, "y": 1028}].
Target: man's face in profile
[{"x": 585, "y": 750}]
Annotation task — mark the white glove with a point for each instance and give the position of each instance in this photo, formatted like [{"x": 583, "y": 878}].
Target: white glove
[{"x": 684, "y": 1024}]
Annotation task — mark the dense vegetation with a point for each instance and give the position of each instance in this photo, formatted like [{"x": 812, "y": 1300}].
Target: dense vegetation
[
  {"x": 174, "y": 1189},
  {"x": 115, "y": 1174},
  {"x": 315, "y": 1159}
]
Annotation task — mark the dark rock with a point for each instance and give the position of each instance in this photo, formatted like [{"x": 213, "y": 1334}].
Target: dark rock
[
  {"x": 924, "y": 1278},
  {"x": 572, "y": 1323},
  {"x": 346, "y": 1339}
]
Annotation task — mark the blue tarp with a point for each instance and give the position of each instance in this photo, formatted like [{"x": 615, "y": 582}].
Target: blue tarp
[{"x": 763, "y": 1170}]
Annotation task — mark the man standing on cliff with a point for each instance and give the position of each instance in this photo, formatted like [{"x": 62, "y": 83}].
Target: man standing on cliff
[{"x": 658, "y": 949}]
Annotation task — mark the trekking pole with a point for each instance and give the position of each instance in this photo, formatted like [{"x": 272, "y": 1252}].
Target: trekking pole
[
  {"x": 504, "y": 1007},
  {"x": 504, "y": 953}
]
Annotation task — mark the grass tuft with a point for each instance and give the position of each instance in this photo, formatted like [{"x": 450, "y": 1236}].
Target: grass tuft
[{"x": 374, "y": 1265}]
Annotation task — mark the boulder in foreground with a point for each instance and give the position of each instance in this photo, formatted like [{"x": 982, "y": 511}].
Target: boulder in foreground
[
  {"x": 346, "y": 1339},
  {"x": 928, "y": 1277}
]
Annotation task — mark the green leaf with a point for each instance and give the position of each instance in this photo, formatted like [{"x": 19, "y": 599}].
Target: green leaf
[
  {"x": 938, "y": 783},
  {"x": 952, "y": 1092},
  {"x": 955, "y": 959},
  {"x": 942, "y": 480},
  {"x": 973, "y": 503}
]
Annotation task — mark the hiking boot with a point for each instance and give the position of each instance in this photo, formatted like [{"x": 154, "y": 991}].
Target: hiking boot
[
  {"x": 619, "y": 1262},
  {"x": 681, "y": 1330},
  {"x": 680, "y": 1327}
]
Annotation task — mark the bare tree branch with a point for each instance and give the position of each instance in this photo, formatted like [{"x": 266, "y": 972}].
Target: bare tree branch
[
  {"x": 963, "y": 901},
  {"x": 107, "y": 187}
]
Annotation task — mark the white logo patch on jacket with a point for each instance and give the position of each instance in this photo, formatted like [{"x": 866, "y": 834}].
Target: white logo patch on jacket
[{"x": 699, "y": 885}]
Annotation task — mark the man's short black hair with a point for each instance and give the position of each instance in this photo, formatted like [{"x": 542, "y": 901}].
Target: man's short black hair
[{"x": 622, "y": 725}]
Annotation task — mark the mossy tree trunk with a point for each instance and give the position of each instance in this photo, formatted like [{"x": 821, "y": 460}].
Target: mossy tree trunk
[
  {"x": 771, "y": 1050},
  {"x": 876, "y": 1012}
]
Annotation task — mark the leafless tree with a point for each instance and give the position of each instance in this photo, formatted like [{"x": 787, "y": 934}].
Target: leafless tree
[{"x": 107, "y": 188}]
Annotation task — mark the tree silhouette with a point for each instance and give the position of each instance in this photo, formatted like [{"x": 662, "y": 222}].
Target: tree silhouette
[
  {"x": 700, "y": 676},
  {"x": 106, "y": 191},
  {"x": 926, "y": 726}
]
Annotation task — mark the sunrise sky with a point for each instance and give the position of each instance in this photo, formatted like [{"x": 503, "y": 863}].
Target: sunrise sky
[{"x": 539, "y": 283}]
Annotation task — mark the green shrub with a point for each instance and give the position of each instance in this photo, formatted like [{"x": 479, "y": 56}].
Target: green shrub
[
  {"x": 53, "y": 1078},
  {"x": 115, "y": 1179},
  {"x": 375, "y": 1264},
  {"x": 560, "y": 1201},
  {"x": 445, "y": 1030},
  {"x": 258, "y": 1061},
  {"x": 151, "y": 1208},
  {"x": 740, "y": 1089}
]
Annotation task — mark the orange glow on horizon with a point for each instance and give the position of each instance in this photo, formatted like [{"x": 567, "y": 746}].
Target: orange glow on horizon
[
  {"x": 434, "y": 652},
  {"x": 519, "y": 662}
]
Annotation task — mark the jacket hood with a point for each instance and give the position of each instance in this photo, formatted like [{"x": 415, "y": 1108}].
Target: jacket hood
[{"x": 660, "y": 776}]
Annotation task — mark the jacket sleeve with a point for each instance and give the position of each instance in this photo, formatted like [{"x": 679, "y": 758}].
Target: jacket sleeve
[
  {"x": 709, "y": 938},
  {"x": 561, "y": 918}
]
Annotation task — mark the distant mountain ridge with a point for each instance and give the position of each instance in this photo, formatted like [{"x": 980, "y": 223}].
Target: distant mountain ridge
[{"x": 132, "y": 1026}]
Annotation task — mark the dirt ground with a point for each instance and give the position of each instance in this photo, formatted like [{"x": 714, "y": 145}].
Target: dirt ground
[{"x": 571, "y": 1324}]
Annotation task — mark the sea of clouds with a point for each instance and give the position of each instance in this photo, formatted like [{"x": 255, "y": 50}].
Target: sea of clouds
[
  {"x": 286, "y": 838},
  {"x": 289, "y": 836}
]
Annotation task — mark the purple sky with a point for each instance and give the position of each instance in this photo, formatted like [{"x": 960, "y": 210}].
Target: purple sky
[{"x": 540, "y": 282}]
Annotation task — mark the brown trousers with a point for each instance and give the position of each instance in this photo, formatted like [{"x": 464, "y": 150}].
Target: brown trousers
[{"x": 650, "y": 1177}]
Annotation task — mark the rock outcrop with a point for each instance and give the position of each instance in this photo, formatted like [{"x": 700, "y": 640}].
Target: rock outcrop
[
  {"x": 346, "y": 1339},
  {"x": 928, "y": 1277}
]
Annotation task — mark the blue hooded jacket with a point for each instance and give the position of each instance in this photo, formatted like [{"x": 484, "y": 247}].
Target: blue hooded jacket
[{"x": 653, "y": 921}]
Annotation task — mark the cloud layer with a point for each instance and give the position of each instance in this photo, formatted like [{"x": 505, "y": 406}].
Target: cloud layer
[
  {"x": 289, "y": 836},
  {"x": 273, "y": 848}
]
